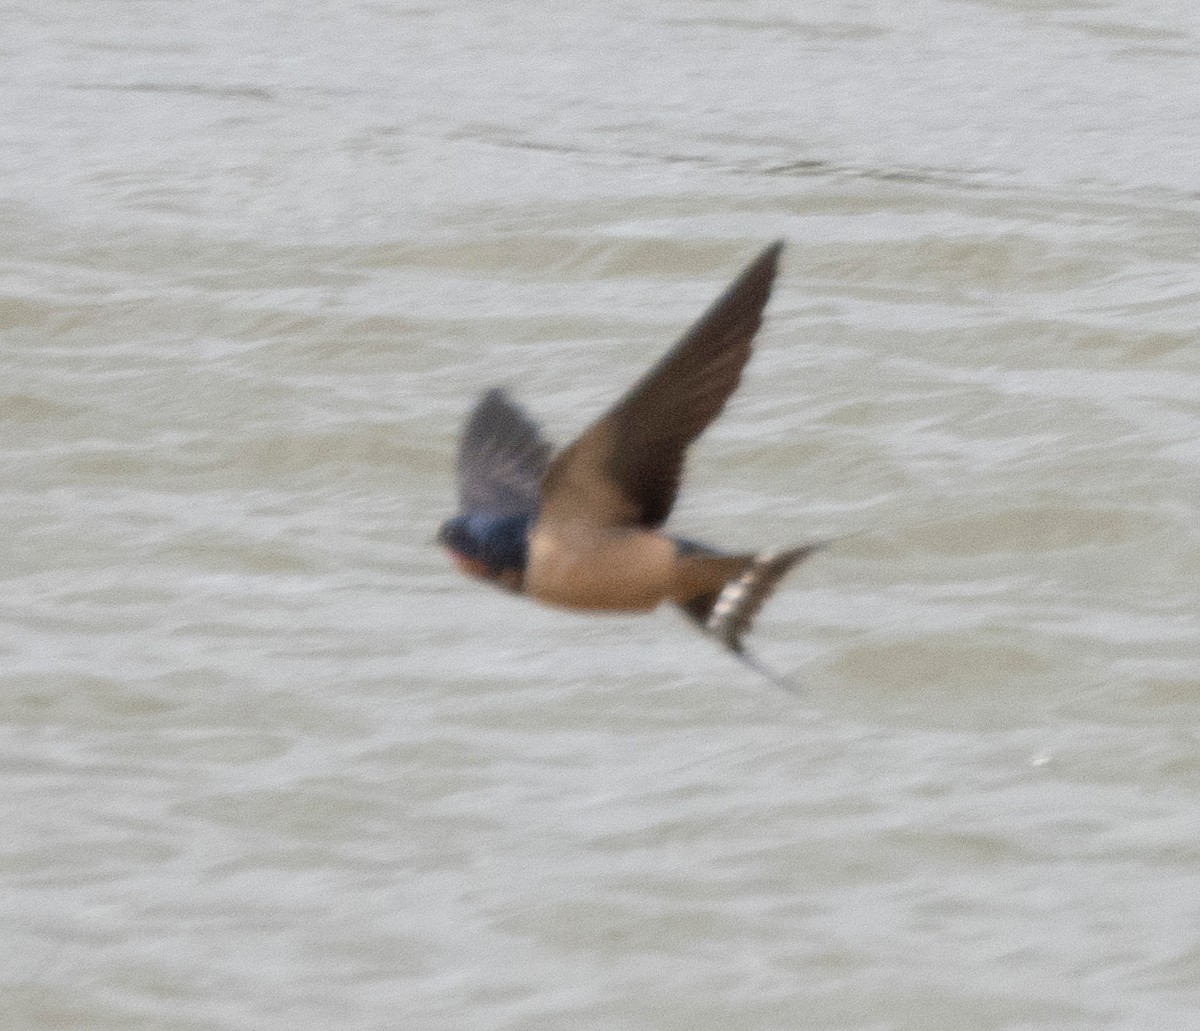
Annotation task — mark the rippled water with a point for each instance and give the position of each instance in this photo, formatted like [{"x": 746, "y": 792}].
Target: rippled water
[{"x": 266, "y": 763}]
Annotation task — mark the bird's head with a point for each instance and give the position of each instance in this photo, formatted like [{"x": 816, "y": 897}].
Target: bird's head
[{"x": 488, "y": 547}]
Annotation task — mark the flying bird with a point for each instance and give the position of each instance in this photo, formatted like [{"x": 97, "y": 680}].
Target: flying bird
[{"x": 582, "y": 529}]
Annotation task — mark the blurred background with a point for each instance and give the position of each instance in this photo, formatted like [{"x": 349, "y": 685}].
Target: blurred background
[{"x": 267, "y": 763}]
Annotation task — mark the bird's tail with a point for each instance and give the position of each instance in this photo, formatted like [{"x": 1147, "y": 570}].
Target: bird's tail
[{"x": 733, "y": 588}]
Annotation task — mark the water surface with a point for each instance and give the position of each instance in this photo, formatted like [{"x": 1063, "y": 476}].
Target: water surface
[{"x": 266, "y": 763}]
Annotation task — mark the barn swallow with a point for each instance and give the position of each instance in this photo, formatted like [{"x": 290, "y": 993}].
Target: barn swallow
[{"x": 583, "y": 529}]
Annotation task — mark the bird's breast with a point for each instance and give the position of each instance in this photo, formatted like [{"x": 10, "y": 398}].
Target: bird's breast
[{"x": 607, "y": 570}]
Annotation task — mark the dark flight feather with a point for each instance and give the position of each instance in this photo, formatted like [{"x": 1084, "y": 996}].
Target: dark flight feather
[
  {"x": 502, "y": 459},
  {"x": 626, "y": 468}
]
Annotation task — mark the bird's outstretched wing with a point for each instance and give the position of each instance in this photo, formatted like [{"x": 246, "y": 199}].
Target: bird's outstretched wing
[
  {"x": 501, "y": 460},
  {"x": 625, "y": 469}
]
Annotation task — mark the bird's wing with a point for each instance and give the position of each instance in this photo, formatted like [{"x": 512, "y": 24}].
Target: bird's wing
[
  {"x": 502, "y": 458},
  {"x": 625, "y": 469}
]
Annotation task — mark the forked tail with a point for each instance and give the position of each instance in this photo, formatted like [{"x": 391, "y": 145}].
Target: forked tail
[{"x": 727, "y": 611}]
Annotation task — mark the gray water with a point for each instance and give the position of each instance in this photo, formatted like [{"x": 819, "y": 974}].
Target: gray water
[{"x": 267, "y": 763}]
